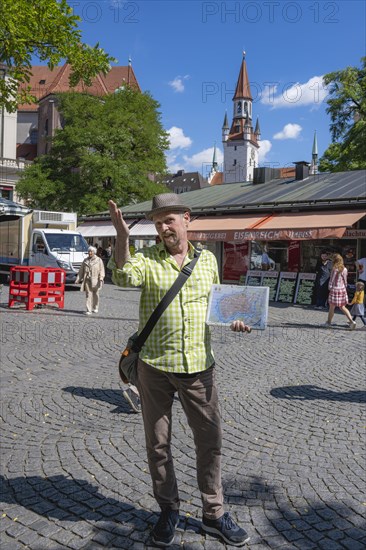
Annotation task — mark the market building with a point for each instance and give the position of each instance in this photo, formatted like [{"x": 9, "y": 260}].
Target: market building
[{"x": 289, "y": 219}]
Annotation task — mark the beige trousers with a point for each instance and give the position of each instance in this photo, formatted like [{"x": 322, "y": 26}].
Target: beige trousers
[
  {"x": 198, "y": 396},
  {"x": 92, "y": 296}
]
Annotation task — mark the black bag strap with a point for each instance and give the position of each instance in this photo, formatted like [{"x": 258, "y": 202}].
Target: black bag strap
[{"x": 165, "y": 301}]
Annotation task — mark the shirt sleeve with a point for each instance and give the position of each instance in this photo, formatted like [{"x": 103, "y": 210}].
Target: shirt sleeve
[
  {"x": 132, "y": 274},
  {"x": 102, "y": 270},
  {"x": 216, "y": 278}
]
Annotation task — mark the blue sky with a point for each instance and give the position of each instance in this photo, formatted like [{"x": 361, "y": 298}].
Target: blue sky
[{"x": 187, "y": 54}]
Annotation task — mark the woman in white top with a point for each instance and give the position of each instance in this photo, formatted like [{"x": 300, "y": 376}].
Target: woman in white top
[{"x": 91, "y": 276}]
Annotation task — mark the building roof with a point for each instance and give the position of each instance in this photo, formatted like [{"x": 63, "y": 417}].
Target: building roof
[
  {"x": 187, "y": 181},
  {"x": 217, "y": 179},
  {"x": 45, "y": 81},
  {"x": 320, "y": 191}
]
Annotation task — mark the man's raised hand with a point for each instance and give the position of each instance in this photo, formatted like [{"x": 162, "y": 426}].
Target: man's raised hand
[{"x": 117, "y": 219}]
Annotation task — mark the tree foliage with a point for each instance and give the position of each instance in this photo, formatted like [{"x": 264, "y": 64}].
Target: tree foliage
[
  {"x": 347, "y": 110},
  {"x": 106, "y": 150},
  {"x": 48, "y": 30}
]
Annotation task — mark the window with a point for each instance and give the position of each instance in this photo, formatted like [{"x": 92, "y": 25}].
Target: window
[
  {"x": 6, "y": 194},
  {"x": 67, "y": 242},
  {"x": 42, "y": 81},
  {"x": 234, "y": 163},
  {"x": 38, "y": 243},
  {"x": 234, "y": 147},
  {"x": 33, "y": 136},
  {"x": 46, "y": 127}
]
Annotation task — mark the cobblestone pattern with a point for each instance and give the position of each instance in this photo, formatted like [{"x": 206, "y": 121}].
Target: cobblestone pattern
[{"x": 73, "y": 468}]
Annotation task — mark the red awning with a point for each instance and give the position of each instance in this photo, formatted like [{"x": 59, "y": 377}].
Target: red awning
[
  {"x": 291, "y": 226},
  {"x": 221, "y": 228}
]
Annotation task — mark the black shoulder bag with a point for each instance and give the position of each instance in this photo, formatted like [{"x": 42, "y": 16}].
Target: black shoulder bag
[{"x": 128, "y": 363}]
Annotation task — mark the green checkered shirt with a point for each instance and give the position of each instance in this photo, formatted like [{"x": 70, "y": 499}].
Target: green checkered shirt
[{"x": 180, "y": 341}]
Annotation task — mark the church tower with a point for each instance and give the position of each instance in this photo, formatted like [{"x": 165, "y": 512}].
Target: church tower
[{"x": 241, "y": 141}]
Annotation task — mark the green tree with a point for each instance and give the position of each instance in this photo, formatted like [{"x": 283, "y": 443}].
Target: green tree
[
  {"x": 48, "y": 30},
  {"x": 106, "y": 150},
  {"x": 347, "y": 110}
]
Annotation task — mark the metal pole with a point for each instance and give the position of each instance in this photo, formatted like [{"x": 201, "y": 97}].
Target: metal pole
[{"x": 2, "y": 70}]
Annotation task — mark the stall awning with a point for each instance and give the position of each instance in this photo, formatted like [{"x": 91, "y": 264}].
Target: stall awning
[
  {"x": 221, "y": 228},
  {"x": 143, "y": 229},
  {"x": 308, "y": 225},
  {"x": 100, "y": 229},
  {"x": 291, "y": 226}
]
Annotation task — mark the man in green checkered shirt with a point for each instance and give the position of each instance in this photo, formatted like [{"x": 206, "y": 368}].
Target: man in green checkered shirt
[{"x": 176, "y": 357}]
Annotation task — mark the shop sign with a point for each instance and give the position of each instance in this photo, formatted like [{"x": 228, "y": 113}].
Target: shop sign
[
  {"x": 268, "y": 234},
  {"x": 355, "y": 234},
  {"x": 286, "y": 287},
  {"x": 254, "y": 278},
  {"x": 305, "y": 288},
  {"x": 270, "y": 279}
]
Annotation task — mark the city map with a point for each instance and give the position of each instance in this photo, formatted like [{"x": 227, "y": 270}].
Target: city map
[{"x": 229, "y": 303}]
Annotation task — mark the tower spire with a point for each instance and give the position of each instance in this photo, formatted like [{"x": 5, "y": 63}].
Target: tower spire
[
  {"x": 257, "y": 130},
  {"x": 314, "y": 156},
  {"x": 225, "y": 128},
  {"x": 242, "y": 90},
  {"x": 214, "y": 161}
]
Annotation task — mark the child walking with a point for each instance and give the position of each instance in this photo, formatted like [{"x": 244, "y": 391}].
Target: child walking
[{"x": 358, "y": 307}]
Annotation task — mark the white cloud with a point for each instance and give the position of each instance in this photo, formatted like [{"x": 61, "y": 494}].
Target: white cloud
[
  {"x": 201, "y": 160},
  {"x": 177, "y": 84},
  {"x": 265, "y": 147},
  {"x": 177, "y": 138},
  {"x": 289, "y": 131},
  {"x": 172, "y": 164},
  {"x": 294, "y": 94}
]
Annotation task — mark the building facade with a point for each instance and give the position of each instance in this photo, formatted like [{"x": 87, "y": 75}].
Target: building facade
[
  {"x": 37, "y": 122},
  {"x": 10, "y": 166}
]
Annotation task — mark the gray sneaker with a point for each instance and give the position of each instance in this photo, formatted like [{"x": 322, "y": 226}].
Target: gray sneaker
[
  {"x": 226, "y": 528},
  {"x": 132, "y": 396}
]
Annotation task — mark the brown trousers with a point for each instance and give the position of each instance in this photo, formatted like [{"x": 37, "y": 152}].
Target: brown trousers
[{"x": 198, "y": 396}]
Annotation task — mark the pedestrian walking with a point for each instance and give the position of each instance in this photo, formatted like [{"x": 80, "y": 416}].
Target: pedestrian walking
[
  {"x": 361, "y": 266},
  {"x": 338, "y": 291},
  {"x": 176, "y": 357},
  {"x": 323, "y": 270},
  {"x": 358, "y": 307},
  {"x": 91, "y": 276}
]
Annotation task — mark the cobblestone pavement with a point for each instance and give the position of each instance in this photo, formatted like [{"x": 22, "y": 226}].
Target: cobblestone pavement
[{"x": 73, "y": 469}]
